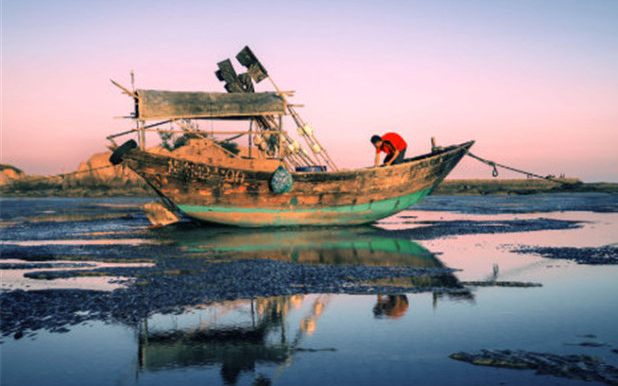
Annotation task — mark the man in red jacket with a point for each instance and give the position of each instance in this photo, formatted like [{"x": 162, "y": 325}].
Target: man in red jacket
[{"x": 393, "y": 145}]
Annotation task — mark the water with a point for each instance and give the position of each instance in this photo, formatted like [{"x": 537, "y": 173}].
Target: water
[{"x": 209, "y": 305}]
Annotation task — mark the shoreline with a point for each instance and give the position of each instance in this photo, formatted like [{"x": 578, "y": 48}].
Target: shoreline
[{"x": 521, "y": 186}]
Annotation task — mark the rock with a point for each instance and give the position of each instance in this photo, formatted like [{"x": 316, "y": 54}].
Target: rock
[
  {"x": 158, "y": 214},
  {"x": 9, "y": 173},
  {"x": 96, "y": 167},
  {"x": 582, "y": 367}
]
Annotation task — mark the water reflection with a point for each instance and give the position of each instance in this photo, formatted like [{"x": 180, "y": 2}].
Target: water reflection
[
  {"x": 240, "y": 336},
  {"x": 236, "y": 336},
  {"x": 329, "y": 246},
  {"x": 258, "y": 337},
  {"x": 391, "y": 306},
  {"x": 192, "y": 267}
]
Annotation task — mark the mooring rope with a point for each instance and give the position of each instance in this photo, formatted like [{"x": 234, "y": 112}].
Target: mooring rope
[{"x": 496, "y": 165}]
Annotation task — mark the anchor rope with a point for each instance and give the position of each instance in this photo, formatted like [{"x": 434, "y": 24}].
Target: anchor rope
[{"x": 496, "y": 165}]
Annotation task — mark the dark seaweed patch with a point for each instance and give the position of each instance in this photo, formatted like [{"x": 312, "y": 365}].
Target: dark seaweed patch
[
  {"x": 437, "y": 229},
  {"x": 593, "y": 256}
]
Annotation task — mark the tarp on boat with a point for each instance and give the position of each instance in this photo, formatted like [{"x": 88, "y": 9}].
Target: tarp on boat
[{"x": 157, "y": 104}]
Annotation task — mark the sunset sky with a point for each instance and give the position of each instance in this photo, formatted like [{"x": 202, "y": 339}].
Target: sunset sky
[{"x": 535, "y": 83}]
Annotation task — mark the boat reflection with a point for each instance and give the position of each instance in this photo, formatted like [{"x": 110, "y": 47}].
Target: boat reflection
[
  {"x": 239, "y": 336},
  {"x": 347, "y": 246},
  {"x": 331, "y": 246},
  {"x": 235, "y": 335}
]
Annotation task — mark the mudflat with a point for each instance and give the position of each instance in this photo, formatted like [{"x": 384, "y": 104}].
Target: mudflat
[{"x": 521, "y": 286}]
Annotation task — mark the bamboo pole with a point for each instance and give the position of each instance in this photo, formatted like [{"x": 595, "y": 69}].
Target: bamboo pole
[
  {"x": 250, "y": 136},
  {"x": 141, "y": 135},
  {"x": 280, "y": 136},
  {"x": 199, "y": 132},
  {"x": 124, "y": 89},
  {"x": 300, "y": 123},
  {"x": 110, "y": 137},
  {"x": 305, "y": 157},
  {"x": 268, "y": 121},
  {"x": 313, "y": 139},
  {"x": 187, "y": 129}
]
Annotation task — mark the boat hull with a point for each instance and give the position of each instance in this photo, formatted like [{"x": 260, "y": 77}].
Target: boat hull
[
  {"x": 242, "y": 197},
  {"x": 335, "y": 215}
]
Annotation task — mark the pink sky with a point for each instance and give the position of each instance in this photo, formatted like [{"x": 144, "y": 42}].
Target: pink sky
[{"x": 534, "y": 83}]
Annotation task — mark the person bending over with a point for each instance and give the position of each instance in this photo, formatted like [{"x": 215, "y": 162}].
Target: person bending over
[{"x": 393, "y": 145}]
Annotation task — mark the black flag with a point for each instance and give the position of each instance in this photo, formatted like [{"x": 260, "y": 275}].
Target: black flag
[
  {"x": 254, "y": 67},
  {"x": 246, "y": 82},
  {"x": 227, "y": 74}
]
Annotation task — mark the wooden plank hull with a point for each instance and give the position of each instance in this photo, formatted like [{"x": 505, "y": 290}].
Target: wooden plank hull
[
  {"x": 235, "y": 196},
  {"x": 334, "y": 215}
]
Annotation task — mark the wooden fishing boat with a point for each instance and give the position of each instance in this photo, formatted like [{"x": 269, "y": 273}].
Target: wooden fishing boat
[
  {"x": 211, "y": 184},
  {"x": 243, "y": 197}
]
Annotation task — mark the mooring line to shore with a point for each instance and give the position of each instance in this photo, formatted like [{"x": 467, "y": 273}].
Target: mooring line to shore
[{"x": 496, "y": 165}]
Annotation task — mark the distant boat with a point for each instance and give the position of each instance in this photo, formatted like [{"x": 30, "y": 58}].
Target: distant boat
[{"x": 220, "y": 187}]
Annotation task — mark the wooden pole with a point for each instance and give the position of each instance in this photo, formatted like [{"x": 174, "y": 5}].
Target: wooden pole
[
  {"x": 268, "y": 121},
  {"x": 187, "y": 130},
  {"x": 124, "y": 89},
  {"x": 140, "y": 135},
  {"x": 305, "y": 158},
  {"x": 280, "y": 136},
  {"x": 250, "y": 135},
  {"x": 300, "y": 123}
]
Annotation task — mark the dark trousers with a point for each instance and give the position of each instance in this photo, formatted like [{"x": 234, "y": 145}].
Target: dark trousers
[{"x": 398, "y": 160}]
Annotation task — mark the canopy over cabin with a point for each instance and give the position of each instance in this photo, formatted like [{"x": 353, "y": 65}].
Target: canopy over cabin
[
  {"x": 263, "y": 110},
  {"x": 157, "y": 105}
]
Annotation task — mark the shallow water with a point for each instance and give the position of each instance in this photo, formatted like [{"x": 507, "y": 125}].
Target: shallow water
[{"x": 385, "y": 304}]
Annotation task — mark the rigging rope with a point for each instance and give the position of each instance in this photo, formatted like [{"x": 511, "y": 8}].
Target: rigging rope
[{"x": 495, "y": 166}]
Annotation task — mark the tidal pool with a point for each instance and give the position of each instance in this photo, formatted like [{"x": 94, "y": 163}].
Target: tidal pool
[{"x": 381, "y": 304}]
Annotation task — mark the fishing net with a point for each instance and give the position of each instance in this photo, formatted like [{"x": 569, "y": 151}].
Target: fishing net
[{"x": 281, "y": 181}]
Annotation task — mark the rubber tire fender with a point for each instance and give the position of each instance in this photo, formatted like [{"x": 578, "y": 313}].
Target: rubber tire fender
[{"x": 116, "y": 157}]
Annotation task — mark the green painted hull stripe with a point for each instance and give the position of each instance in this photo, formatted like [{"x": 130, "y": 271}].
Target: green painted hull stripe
[{"x": 390, "y": 205}]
